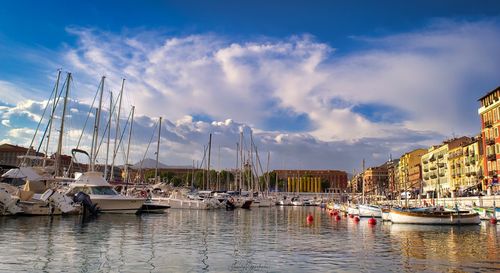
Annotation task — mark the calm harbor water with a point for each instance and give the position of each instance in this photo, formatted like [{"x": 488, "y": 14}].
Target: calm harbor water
[{"x": 276, "y": 239}]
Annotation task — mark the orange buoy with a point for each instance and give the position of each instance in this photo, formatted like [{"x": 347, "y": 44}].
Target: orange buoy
[
  {"x": 309, "y": 218},
  {"x": 372, "y": 221},
  {"x": 356, "y": 219},
  {"x": 337, "y": 218},
  {"x": 493, "y": 220}
]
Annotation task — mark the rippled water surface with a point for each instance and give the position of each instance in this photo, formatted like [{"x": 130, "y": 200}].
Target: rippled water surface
[{"x": 276, "y": 239}]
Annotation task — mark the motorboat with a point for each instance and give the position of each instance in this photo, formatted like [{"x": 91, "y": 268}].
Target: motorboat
[
  {"x": 434, "y": 217},
  {"x": 151, "y": 206},
  {"x": 369, "y": 211},
  {"x": 285, "y": 201},
  {"x": 297, "y": 202},
  {"x": 179, "y": 200},
  {"x": 486, "y": 213},
  {"x": 353, "y": 210},
  {"x": 101, "y": 193}
]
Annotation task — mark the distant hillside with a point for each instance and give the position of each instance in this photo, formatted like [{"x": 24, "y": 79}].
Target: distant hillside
[{"x": 150, "y": 163}]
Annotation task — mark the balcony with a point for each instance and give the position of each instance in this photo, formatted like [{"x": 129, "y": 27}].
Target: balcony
[
  {"x": 490, "y": 141},
  {"x": 433, "y": 176},
  {"x": 492, "y": 157},
  {"x": 426, "y": 170},
  {"x": 473, "y": 173},
  {"x": 442, "y": 165},
  {"x": 441, "y": 174},
  {"x": 440, "y": 156},
  {"x": 488, "y": 124},
  {"x": 433, "y": 168},
  {"x": 467, "y": 163}
]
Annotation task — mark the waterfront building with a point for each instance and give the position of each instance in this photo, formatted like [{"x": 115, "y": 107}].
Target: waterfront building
[
  {"x": 473, "y": 168},
  {"x": 436, "y": 175},
  {"x": 456, "y": 167},
  {"x": 9, "y": 154},
  {"x": 307, "y": 180},
  {"x": 356, "y": 183},
  {"x": 376, "y": 181},
  {"x": 409, "y": 170},
  {"x": 392, "y": 176},
  {"x": 489, "y": 112}
]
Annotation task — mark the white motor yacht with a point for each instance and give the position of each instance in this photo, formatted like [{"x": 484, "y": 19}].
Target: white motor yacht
[{"x": 108, "y": 200}]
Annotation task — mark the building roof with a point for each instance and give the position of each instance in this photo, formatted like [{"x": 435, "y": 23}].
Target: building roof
[{"x": 487, "y": 94}]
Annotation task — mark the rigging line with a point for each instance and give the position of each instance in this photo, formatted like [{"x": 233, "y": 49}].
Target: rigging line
[
  {"x": 147, "y": 148},
  {"x": 112, "y": 110},
  {"x": 123, "y": 133},
  {"x": 86, "y": 121},
  {"x": 50, "y": 120},
  {"x": 38, "y": 126}
]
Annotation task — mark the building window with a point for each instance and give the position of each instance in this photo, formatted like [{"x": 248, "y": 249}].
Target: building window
[{"x": 496, "y": 132}]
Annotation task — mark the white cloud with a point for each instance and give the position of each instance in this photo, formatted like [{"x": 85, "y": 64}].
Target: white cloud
[{"x": 432, "y": 77}]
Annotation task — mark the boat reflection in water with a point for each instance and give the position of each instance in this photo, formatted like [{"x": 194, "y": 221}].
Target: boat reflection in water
[{"x": 277, "y": 239}]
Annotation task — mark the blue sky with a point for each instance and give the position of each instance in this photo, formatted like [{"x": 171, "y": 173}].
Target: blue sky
[{"x": 322, "y": 84}]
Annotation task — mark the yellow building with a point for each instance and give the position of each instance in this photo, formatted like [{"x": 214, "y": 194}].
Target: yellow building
[
  {"x": 436, "y": 174},
  {"x": 456, "y": 167},
  {"x": 473, "y": 167},
  {"x": 409, "y": 171}
]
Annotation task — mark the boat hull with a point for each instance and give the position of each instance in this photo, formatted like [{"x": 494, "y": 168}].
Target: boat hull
[
  {"x": 119, "y": 204},
  {"x": 369, "y": 211},
  {"x": 183, "y": 203},
  {"x": 434, "y": 218}
]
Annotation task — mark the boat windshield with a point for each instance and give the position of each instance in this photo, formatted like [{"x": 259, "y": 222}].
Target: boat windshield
[{"x": 103, "y": 190}]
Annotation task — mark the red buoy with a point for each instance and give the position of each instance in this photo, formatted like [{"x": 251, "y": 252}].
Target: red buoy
[
  {"x": 356, "y": 219},
  {"x": 493, "y": 220},
  {"x": 372, "y": 221},
  {"x": 331, "y": 213},
  {"x": 309, "y": 218},
  {"x": 337, "y": 218},
  {"x": 335, "y": 213},
  {"x": 351, "y": 215}
]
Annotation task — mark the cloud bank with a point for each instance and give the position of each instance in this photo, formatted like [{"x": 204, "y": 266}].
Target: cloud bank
[{"x": 310, "y": 106}]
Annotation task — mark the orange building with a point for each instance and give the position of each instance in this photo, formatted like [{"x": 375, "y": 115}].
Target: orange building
[{"x": 489, "y": 113}]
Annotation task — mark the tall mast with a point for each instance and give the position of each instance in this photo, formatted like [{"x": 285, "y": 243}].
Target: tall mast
[
  {"x": 128, "y": 146},
  {"x": 109, "y": 134},
  {"x": 117, "y": 131},
  {"x": 158, "y": 150},
  {"x": 61, "y": 132},
  {"x": 363, "y": 181},
  {"x": 208, "y": 163},
  {"x": 54, "y": 104},
  {"x": 267, "y": 172},
  {"x": 236, "y": 176},
  {"x": 98, "y": 122}
]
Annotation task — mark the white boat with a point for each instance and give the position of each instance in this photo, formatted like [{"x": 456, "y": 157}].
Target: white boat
[
  {"x": 486, "y": 213},
  {"x": 434, "y": 217},
  {"x": 8, "y": 204},
  {"x": 285, "y": 201},
  {"x": 178, "y": 200},
  {"x": 353, "y": 210},
  {"x": 369, "y": 211},
  {"x": 261, "y": 202},
  {"x": 297, "y": 202},
  {"x": 103, "y": 194}
]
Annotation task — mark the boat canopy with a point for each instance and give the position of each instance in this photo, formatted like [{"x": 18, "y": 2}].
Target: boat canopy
[
  {"x": 26, "y": 173},
  {"x": 90, "y": 179}
]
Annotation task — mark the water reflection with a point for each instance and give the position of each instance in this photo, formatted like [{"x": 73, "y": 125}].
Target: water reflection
[{"x": 261, "y": 240}]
